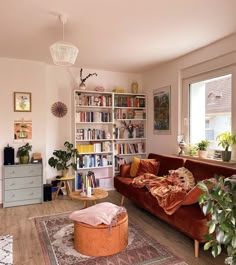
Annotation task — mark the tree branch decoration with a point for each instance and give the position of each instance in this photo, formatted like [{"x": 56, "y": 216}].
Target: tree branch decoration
[{"x": 84, "y": 79}]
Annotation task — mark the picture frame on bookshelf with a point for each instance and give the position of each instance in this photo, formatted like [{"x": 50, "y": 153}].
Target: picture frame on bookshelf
[{"x": 162, "y": 111}]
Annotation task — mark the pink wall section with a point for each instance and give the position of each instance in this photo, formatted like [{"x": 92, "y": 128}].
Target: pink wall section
[
  {"x": 48, "y": 84},
  {"x": 218, "y": 55}
]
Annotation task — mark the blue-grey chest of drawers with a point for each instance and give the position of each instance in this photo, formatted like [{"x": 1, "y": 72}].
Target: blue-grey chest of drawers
[{"x": 22, "y": 184}]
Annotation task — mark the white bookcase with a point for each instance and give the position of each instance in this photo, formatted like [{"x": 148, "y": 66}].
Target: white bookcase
[
  {"x": 100, "y": 134},
  {"x": 129, "y": 111}
]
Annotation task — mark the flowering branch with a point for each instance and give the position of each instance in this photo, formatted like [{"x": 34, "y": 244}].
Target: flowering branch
[
  {"x": 84, "y": 79},
  {"x": 130, "y": 127}
]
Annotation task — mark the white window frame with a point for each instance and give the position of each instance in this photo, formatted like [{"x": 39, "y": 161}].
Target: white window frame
[{"x": 186, "y": 82}]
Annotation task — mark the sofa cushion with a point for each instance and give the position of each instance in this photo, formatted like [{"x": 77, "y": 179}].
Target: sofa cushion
[
  {"x": 135, "y": 166},
  {"x": 192, "y": 196},
  {"x": 150, "y": 167},
  {"x": 167, "y": 162}
]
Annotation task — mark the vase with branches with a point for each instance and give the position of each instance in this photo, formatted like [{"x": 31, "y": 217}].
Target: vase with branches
[
  {"x": 130, "y": 128},
  {"x": 82, "y": 84}
]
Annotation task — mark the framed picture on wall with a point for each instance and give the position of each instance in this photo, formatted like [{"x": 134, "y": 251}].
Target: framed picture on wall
[
  {"x": 162, "y": 121},
  {"x": 22, "y": 101},
  {"x": 22, "y": 130}
]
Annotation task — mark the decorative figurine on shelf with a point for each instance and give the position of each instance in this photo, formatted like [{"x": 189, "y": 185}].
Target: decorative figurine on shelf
[
  {"x": 82, "y": 84},
  {"x": 182, "y": 145},
  {"x": 134, "y": 87}
]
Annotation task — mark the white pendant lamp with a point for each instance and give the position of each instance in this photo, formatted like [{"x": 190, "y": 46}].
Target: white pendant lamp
[{"x": 63, "y": 53}]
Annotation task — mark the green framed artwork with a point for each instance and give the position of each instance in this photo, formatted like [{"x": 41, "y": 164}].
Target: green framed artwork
[
  {"x": 162, "y": 121},
  {"x": 22, "y": 102}
]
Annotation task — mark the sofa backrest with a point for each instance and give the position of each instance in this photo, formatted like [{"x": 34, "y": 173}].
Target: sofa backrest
[
  {"x": 202, "y": 170},
  {"x": 167, "y": 163}
]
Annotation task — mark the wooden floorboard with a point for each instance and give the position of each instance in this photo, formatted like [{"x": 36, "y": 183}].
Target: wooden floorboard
[{"x": 18, "y": 221}]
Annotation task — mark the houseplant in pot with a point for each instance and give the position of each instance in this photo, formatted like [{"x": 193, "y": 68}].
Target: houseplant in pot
[
  {"x": 226, "y": 140},
  {"x": 219, "y": 203},
  {"x": 23, "y": 153},
  {"x": 202, "y": 148},
  {"x": 63, "y": 160}
]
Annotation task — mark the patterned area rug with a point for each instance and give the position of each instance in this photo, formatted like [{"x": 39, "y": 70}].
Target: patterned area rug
[
  {"x": 6, "y": 256},
  {"x": 56, "y": 238}
]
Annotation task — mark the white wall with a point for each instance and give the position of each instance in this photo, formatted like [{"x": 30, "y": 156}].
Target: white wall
[
  {"x": 214, "y": 56},
  {"x": 48, "y": 84}
]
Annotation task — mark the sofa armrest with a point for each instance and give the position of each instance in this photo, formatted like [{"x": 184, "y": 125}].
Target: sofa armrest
[{"x": 125, "y": 170}]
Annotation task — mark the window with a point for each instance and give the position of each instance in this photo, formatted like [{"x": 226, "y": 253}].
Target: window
[{"x": 209, "y": 109}]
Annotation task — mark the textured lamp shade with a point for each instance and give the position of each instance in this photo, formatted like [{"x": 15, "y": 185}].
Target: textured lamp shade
[{"x": 63, "y": 53}]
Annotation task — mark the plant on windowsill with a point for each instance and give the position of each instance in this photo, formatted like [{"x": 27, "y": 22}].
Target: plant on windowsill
[
  {"x": 23, "y": 153},
  {"x": 219, "y": 203},
  {"x": 202, "y": 148},
  {"x": 226, "y": 140},
  {"x": 62, "y": 159}
]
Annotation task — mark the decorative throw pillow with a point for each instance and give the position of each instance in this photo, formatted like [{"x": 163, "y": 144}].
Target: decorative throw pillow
[
  {"x": 192, "y": 196},
  {"x": 147, "y": 166},
  {"x": 135, "y": 165},
  {"x": 185, "y": 176}
]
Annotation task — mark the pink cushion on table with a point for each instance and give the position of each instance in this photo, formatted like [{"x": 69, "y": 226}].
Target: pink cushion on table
[{"x": 102, "y": 213}]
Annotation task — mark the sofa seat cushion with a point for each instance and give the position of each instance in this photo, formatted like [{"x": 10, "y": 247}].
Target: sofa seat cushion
[{"x": 188, "y": 219}]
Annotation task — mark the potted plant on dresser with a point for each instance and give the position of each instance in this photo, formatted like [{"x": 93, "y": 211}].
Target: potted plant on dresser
[
  {"x": 23, "y": 153},
  {"x": 202, "y": 148},
  {"x": 226, "y": 140},
  {"x": 63, "y": 160}
]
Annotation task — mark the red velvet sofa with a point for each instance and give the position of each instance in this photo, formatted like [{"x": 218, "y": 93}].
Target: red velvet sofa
[{"x": 188, "y": 219}]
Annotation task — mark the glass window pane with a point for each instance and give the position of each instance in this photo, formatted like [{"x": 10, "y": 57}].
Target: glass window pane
[{"x": 210, "y": 109}]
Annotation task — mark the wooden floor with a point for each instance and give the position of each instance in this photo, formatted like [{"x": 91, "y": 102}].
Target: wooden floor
[{"x": 18, "y": 221}]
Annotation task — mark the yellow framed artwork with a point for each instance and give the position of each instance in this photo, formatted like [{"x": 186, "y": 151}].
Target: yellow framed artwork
[{"x": 22, "y": 102}]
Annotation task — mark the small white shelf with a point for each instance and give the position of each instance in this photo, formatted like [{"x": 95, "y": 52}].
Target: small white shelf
[
  {"x": 89, "y": 168},
  {"x": 132, "y": 154},
  {"x": 96, "y": 153}
]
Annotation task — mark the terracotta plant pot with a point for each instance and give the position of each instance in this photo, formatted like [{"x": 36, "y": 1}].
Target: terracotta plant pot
[{"x": 202, "y": 153}]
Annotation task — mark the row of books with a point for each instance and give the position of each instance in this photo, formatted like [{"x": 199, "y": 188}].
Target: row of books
[
  {"x": 95, "y": 147},
  {"x": 93, "y": 116},
  {"x": 129, "y": 114},
  {"x": 94, "y": 100},
  {"x": 129, "y": 148},
  {"x": 90, "y": 134},
  {"x": 94, "y": 160},
  {"x": 84, "y": 180},
  {"x": 130, "y": 101}
]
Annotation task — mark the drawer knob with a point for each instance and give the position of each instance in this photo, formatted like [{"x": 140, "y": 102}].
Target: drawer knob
[
  {"x": 13, "y": 184},
  {"x": 31, "y": 182},
  {"x": 13, "y": 195}
]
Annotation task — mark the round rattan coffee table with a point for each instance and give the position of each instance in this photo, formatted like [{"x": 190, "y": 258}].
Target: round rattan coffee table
[{"x": 97, "y": 195}]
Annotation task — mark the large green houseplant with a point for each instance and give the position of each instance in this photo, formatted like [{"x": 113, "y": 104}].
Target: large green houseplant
[
  {"x": 63, "y": 160},
  {"x": 219, "y": 202},
  {"x": 226, "y": 140},
  {"x": 23, "y": 153}
]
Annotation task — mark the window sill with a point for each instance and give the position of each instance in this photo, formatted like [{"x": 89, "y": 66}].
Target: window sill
[{"x": 231, "y": 163}]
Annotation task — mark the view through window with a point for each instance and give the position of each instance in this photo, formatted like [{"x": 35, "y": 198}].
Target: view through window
[{"x": 210, "y": 109}]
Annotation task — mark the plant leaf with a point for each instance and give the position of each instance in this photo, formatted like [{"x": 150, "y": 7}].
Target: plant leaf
[{"x": 201, "y": 185}]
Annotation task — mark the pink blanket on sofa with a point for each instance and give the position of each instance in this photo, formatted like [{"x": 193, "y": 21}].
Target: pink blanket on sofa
[{"x": 169, "y": 191}]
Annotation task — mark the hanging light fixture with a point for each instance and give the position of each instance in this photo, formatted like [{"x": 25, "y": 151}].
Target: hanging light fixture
[{"x": 63, "y": 53}]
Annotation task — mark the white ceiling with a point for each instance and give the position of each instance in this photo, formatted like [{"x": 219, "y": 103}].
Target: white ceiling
[{"x": 116, "y": 35}]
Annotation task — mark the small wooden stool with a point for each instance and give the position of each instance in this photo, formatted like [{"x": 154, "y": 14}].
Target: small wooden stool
[
  {"x": 101, "y": 240},
  {"x": 64, "y": 180}
]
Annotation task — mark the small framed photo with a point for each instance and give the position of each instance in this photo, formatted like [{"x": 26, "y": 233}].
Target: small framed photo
[{"x": 22, "y": 102}]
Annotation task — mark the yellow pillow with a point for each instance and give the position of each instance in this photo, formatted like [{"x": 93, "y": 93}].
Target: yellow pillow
[{"x": 135, "y": 165}]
